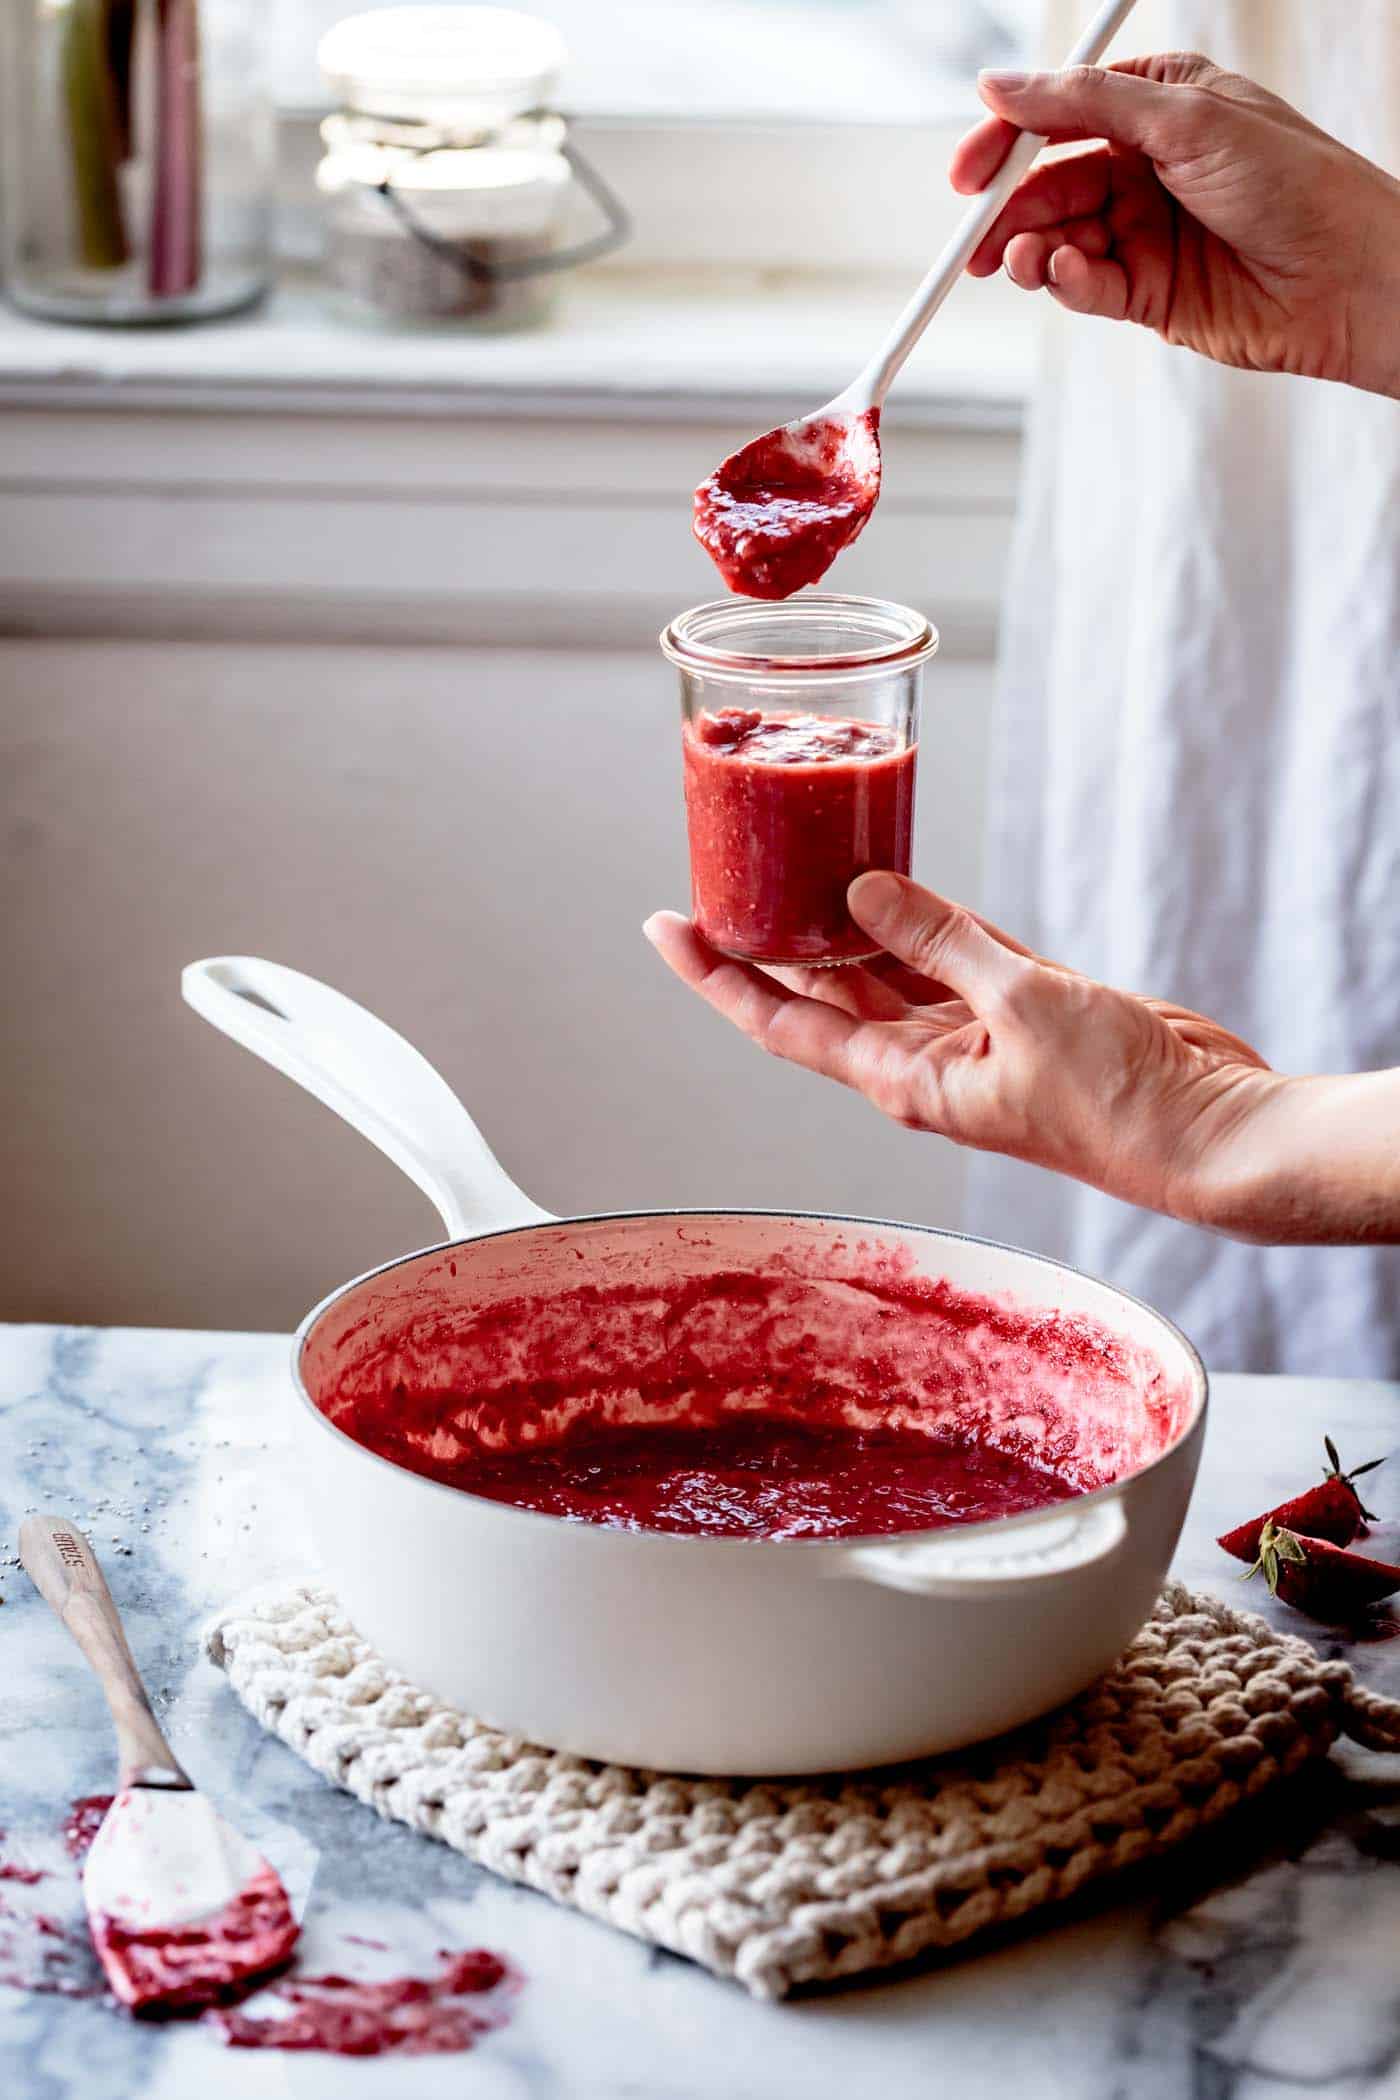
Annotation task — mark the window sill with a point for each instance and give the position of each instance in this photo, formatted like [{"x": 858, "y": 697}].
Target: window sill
[
  {"x": 639, "y": 346},
  {"x": 285, "y": 477}
]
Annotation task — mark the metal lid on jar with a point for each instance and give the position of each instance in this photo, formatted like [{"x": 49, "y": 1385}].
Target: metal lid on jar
[{"x": 461, "y": 69}]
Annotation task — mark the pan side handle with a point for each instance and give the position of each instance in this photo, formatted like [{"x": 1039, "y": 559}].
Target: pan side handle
[
  {"x": 995, "y": 1559},
  {"x": 370, "y": 1076}
]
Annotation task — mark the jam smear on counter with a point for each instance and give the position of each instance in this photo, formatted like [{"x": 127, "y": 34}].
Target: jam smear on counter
[
  {"x": 84, "y": 1819},
  {"x": 400, "y": 2016},
  {"x": 48, "y": 1949},
  {"x": 470, "y": 1995}
]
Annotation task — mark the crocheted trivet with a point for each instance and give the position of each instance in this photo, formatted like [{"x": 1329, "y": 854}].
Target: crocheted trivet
[{"x": 784, "y": 1883}]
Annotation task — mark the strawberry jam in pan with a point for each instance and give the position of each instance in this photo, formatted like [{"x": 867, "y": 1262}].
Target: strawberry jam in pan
[
  {"x": 760, "y": 1479},
  {"x": 711, "y": 1409}
]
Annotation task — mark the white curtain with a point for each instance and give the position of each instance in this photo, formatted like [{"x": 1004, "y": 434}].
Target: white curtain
[{"x": 1196, "y": 770}]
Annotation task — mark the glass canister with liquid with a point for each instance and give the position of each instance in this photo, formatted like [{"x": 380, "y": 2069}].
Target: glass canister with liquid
[{"x": 137, "y": 155}]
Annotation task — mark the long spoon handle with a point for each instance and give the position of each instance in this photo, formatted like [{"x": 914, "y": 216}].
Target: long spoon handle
[
  {"x": 869, "y": 390},
  {"x": 65, "y": 1572}
]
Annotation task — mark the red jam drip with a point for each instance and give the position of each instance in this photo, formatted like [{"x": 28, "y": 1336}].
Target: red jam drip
[
  {"x": 783, "y": 812},
  {"x": 763, "y": 1480},
  {"x": 84, "y": 1819},
  {"x": 40, "y": 1951},
  {"x": 403, "y": 2016},
  {"x": 776, "y": 514},
  {"x": 169, "y": 1968}
]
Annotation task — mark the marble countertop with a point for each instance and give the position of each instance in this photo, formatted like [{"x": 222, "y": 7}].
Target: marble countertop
[{"x": 1261, "y": 1967}]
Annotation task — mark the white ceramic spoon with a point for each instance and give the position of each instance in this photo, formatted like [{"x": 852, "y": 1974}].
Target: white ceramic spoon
[{"x": 837, "y": 450}]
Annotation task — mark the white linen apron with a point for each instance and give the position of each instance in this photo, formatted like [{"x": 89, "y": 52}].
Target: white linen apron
[{"x": 1196, "y": 758}]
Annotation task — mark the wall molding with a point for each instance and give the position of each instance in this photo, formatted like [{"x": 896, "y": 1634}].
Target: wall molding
[{"x": 536, "y": 531}]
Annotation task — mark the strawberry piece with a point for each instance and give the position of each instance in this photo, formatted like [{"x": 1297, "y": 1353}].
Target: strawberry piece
[
  {"x": 1319, "y": 1578},
  {"x": 1331, "y": 1510}
]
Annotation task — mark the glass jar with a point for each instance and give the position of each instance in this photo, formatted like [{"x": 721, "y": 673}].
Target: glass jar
[
  {"x": 138, "y": 158},
  {"x": 448, "y": 178},
  {"x": 800, "y": 728}
]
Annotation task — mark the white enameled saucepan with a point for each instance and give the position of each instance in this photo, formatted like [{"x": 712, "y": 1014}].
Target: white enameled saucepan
[{"x": 702, "y": 1654}]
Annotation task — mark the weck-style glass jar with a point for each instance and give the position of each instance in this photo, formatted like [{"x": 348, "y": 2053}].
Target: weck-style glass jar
[
  {"x": 800, "y": 730},
  {"x": 448, "y": 180},
  {"x": 137, "y": 154}
]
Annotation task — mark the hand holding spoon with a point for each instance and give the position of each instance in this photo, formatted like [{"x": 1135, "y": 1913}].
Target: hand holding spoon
[
  {"x": 183, "y": 1910},
  {"x": 777, "y": 513}
]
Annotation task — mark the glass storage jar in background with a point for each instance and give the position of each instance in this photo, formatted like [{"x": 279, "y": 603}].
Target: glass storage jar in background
[
  {"x": 800, "y": 726},
  {"x": 138, "y": 157},
  {"x": 448, "y": 178}
]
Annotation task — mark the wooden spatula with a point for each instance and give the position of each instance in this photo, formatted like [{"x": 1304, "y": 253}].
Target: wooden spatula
[{"x": 183, "y": 1910}]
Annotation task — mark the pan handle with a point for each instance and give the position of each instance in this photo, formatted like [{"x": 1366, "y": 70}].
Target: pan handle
[
  {"x": 987, "y": 1562},
  {"x": 370, "y": 1076}
]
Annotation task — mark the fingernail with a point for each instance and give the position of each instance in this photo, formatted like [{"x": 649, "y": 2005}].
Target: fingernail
[
  {"x": 1003, "y": 83},
  {"x": 873, "y": 894},
  {"x": 1050, "y": 271},
  {"x": 651, "y": 927}
]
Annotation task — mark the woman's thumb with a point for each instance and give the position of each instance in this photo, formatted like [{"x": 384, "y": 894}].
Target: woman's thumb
[
  {"x": 936, "y": 938},
  {"x": 1093, "y": 102}
]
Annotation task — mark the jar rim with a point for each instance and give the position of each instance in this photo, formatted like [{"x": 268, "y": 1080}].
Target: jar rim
[{"x": 883, "y": 637}]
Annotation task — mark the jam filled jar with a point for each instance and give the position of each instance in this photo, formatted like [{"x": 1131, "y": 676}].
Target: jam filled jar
[
  {"x": 799, "y": 730},
  {"x": 448, "y": 181}
]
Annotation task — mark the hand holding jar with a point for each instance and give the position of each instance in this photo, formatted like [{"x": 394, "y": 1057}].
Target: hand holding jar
[{"x": 800, "y": 738}]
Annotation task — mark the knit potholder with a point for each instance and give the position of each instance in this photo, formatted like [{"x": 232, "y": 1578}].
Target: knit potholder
[{"x": 792, "y": 1882}]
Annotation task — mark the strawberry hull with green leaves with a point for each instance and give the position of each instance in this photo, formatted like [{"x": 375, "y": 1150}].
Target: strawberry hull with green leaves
[
  {"x": 1319, "y": 1578},
  {"x": 1332, "y": 1511}
]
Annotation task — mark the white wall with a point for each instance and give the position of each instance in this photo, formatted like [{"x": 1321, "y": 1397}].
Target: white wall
[{"x": 464, "y": 839}]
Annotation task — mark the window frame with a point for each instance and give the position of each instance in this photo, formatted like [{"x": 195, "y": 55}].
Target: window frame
[
  {"x": 711, "y": 195},
  {"x": 604, "y": 79}
]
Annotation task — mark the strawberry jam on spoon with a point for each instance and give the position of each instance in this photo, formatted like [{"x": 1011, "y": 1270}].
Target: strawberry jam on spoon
[{"x": 777, "y": 513}]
